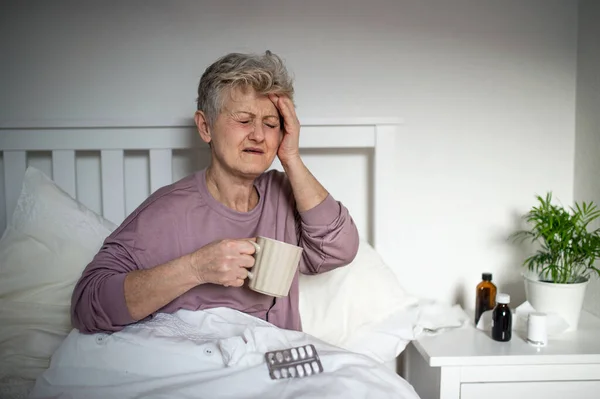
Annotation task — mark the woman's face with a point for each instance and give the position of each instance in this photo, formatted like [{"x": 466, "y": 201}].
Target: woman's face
[{"x": 246, "y": 134}]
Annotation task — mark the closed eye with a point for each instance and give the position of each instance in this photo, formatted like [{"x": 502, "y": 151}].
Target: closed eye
[{"x": 272, "y": 126}]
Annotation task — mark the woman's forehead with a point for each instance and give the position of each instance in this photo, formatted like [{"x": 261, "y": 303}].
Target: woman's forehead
[{"x": 249, "y": 101}]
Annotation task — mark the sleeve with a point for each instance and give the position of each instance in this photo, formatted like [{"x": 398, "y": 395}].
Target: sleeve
[
  {"x": 328, "y": 235},
  {"x": 146, "y": 238},
  {"x": 98, "y": 300}
]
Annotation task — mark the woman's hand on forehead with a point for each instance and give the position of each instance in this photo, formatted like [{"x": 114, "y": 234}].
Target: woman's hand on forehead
[{"x": 289, "y": 149}]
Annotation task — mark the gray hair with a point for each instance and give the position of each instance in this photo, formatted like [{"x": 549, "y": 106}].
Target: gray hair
[{"x": 266, "y": 74}]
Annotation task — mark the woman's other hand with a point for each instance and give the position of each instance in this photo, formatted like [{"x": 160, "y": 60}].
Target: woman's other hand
[
  {"x": 224, "y": 262},
  {"x": 289, "y": 149}
]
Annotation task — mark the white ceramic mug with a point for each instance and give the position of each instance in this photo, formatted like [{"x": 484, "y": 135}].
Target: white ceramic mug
[{"x": 274, "y": 267}]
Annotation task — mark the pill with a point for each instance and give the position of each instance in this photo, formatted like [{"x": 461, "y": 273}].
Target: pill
[
  {"x": 271, "y": 358},
  {"x": 315, "y": 367},
  {"x": 302, "y": 352},
  {"x": 300, "y": 370},
  {"x": 309, "y": 350},
  {"x": 279, "y": 357},
  {"x": 307, "y": 369},
  {"x": 294, "y": 354},
  {"x": 277, "y": 374},
  {"x": 292, "y": 371},
  {"x": 284, "y": 373},
  {"x": 286, "y": 356}
]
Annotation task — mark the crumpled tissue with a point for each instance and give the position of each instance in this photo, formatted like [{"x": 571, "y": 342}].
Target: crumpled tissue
[
  {"x": 555, "y": 324},
  {"x": 435, "y": 317}
]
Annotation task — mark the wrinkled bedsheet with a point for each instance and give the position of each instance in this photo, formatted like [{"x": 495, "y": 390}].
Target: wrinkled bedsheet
[{"x": 217, "y": 353}]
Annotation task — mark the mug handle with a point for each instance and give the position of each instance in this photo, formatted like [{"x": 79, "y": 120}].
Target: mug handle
[{"x": 257, "y": 250}]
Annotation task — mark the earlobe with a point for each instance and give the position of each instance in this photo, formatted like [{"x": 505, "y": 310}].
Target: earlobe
[{"x": 202, "y": 126}]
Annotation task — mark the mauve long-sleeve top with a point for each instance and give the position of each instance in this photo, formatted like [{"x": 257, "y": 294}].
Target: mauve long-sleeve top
[{"x": 182, "y": 217}]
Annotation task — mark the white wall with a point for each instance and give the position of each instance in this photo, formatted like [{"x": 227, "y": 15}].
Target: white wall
[
  {"x": 487, "y": 90},
  {"x": 587, "y": 142}
]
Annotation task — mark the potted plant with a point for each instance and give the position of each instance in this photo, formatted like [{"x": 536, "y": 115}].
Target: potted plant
[{"x": 568, "y": 247}]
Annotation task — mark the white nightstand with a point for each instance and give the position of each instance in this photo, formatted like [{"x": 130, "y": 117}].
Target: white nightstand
[{"x": 467, "y": 364}]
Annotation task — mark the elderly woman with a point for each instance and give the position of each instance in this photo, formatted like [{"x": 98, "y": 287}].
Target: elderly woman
[{"x": 187, "y": 246}]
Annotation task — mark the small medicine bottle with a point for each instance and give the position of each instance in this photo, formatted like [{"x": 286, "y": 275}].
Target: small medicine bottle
[
  {"x": 502, "y": 319},
  {"x": 485, "y": 296}
]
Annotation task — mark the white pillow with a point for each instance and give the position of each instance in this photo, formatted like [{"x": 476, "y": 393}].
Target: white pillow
[
  {"x": 347, "y": 305},
  {"x": 49, "y": 240}
]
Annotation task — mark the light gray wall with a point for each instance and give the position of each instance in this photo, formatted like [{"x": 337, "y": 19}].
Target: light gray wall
[
  {"x": 587, "y": 142},
  {"x": 486, "y": 87}
]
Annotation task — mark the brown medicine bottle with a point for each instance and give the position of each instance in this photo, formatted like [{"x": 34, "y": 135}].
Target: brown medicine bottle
[{"x": 485, "y": 296}]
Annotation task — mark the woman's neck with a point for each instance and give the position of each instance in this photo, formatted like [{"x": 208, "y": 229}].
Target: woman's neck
[{"x": 236, "y": 193}]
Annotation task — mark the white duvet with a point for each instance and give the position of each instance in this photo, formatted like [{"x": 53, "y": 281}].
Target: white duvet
[{"x": 218, "y": 353}]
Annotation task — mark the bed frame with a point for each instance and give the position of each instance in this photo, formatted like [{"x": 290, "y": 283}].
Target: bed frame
[{"x": 160, "y": 138}]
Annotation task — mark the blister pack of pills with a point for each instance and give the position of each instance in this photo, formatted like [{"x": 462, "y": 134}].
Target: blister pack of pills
[{"x": 298, "y": 362}]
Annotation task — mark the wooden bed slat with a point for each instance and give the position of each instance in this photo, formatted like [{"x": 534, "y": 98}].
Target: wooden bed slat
[
  {"x": 384, "y": 165},
  {"x": 15, "y": 164},
  {"x": 63, "y": 170},
  {"x": 161, "y": 168},
  {"x": 113, "y": 185}
]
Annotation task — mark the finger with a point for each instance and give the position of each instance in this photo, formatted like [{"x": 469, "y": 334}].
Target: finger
[
  {"x": 237, "y": 283},
  {"x": 275, "y": 100},
  {"x": 287, "y": 110},
  {"x": 246, "y": 261},
  {"x": 282, "y": 106},
  {"x": 243, "y": 273},
  {"x": 245, "y": 247}
]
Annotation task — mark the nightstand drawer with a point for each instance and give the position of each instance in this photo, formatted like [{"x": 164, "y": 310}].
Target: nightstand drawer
[{"x": 546, "y": 390}]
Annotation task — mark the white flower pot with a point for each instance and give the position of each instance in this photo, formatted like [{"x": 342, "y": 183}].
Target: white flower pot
[{"x": 566, "y": 300}]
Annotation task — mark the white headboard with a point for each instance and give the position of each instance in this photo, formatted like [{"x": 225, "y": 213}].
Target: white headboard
[{"x": 112, "y": 138}]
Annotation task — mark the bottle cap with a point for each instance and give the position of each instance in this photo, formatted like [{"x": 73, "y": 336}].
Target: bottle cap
[
  {"x": 486, "y": 276},
  {"x": 502, "y": 298}
]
